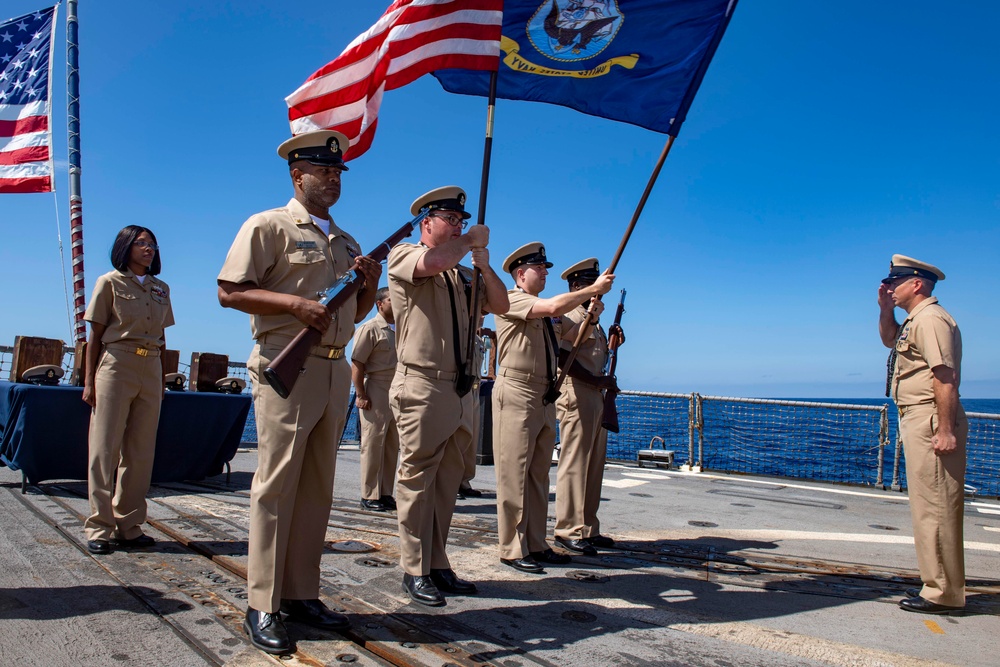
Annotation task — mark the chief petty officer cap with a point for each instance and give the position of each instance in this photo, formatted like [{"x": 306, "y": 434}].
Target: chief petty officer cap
[
  {"x": 46, "y": 374},
  {"x": 448, "y": 198},
  {"x": 530, "y": 253},
  {"x": 587, "y": 270},
  {"x": 230, "y": 385},
  {"x": 901, "y": 266},
  {"x": 174, "y": 381},
  {"x": 321, "y": 147}
]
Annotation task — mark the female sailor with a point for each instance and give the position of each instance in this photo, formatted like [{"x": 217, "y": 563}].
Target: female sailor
[{"x": 124, "y": 386}]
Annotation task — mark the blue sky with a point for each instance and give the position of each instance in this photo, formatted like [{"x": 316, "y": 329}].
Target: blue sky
[{"x": 825, "y": 138}]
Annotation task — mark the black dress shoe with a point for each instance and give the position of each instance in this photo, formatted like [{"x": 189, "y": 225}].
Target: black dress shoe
[
  {"x": 447, "y": 582},
  {"x": 526, "y": 564},
  {"x": 922, "y": 606},
  {"x": 912, "y": 592},
  {"x": 600, "y": 541},
  {"x": 550, "y": 556},
  {"x": 469, "y": 492},
  {"x": 422, "y": 590},
  {"x": 388, "y": 501},
  {"x": 577, "y": 546},
  {"x": 135, "y": 543},
  {"x": 266, "y": 632},
  {"x": 374, "y": 505},
  {"x": 99, "y": 546},
  {"x": 314, "y": 613}
]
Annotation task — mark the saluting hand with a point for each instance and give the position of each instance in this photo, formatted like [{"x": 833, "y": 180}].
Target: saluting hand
[{"x": 885, "y": 301}]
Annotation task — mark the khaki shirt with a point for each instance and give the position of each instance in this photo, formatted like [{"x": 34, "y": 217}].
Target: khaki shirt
[
  {"x": 593, "y": 354},
  {"x": 284, "y": 251},
  {"x": 375, "y": 346},
  {"x": 522, "y": 342},
  {"x": 928, "y": 338},
  {"x": 133, "y": 312},
  {"x": 425, "y": 335}
]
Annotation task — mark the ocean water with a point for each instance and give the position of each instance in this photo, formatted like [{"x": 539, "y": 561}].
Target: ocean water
[{"x": 815, "y": 443}]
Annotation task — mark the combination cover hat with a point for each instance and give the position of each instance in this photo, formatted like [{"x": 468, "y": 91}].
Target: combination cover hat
[
  {"x": 902, "y": 266},
  {"x": 529, "y": 253},
  {"x": 448, "y": 198},
  {"x": 325, "y": 148},
  {"x": 46, "y": 374},
  {"x": 230, "y": 385},
  {"x": 588, "y": 269}
]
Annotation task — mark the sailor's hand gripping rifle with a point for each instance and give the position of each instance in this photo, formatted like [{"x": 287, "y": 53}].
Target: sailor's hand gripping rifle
[{"x": 284, "y": 369}]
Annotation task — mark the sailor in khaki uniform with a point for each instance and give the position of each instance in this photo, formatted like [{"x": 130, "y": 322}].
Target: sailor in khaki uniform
[
  {"x": 925, "y": 368},
  {"x": 128, "y": 312},
  {"x": 524, "y": 421},
  {"x": 580, "y": 409},
  {"x": 373, "y": 363},
  {"x": 433, "y": 414},
  {"x": 281, "y": 262}
]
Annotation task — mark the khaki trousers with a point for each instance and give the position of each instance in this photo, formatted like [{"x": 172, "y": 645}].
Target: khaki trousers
[
  {"x": 936, "y": 487},
  {"x": 524, "y": 435},
  {"x": 292, "y": 490},
  {"x": 435, "y": 432},
  {"x": 582, "y": 454},
  {"x": 379, "y": 441},
  {"x": 477, "y": 425},
  {"x": 122, "y": 443}
]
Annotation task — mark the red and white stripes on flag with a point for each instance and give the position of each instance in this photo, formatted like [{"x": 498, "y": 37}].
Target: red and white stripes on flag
[
  {"x": 413, "y": 38},
  {"x": 25, "y": 94}
]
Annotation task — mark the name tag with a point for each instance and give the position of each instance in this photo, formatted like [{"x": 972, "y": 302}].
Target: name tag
[{"x": 305, "y": 245}]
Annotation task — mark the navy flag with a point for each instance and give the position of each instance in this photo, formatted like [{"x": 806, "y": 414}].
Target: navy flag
[{"x": 636, "y": 61}]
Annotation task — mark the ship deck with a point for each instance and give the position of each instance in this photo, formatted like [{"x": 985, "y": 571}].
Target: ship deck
[{"x": 709, "y": 569}]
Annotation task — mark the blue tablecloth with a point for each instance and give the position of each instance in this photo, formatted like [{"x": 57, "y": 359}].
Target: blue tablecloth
[{"x": 43, "y": 432}]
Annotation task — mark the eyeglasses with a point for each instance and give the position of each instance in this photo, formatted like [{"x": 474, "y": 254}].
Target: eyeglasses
[
  {"x": 454, "y": 220},
  {"x": 145, "y": 244}
]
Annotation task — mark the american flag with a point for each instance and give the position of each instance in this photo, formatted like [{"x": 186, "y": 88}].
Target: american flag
[
  {"x": 412, "y": 38},
  {"x": 25, "y": 109}
]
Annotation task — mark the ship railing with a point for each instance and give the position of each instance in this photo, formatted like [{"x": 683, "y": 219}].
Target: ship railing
[{"x": 833, "y": 442}]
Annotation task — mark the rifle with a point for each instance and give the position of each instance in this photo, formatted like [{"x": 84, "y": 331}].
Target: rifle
[
  {"x": 285, "y": 368},
  {"x": 610, "y": 419}
]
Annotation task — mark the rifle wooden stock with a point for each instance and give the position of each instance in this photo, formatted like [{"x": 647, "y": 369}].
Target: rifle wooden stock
[
  {"x": 610, "y": 419},
  {"x": 285, "y": 368}
]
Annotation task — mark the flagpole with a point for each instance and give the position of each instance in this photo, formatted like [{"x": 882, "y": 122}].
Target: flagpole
[
  {"x": 75, "y": 199},
  {"x": 484, "y": 185},
  {"x": 586, "y": 325}
]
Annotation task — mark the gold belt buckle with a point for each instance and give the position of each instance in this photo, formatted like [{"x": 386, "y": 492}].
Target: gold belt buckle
[
  {"x": 335, "y": 353},
  {"x": 141, "y": 351}
]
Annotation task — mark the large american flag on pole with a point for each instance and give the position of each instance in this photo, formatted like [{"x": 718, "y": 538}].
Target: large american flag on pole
[
  {"x": 25, "y": 102},
  {"x": 412, "y": 38}
]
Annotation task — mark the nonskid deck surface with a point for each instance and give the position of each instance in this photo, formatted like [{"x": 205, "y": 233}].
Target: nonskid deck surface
[{"x": 709, "y": 570}]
